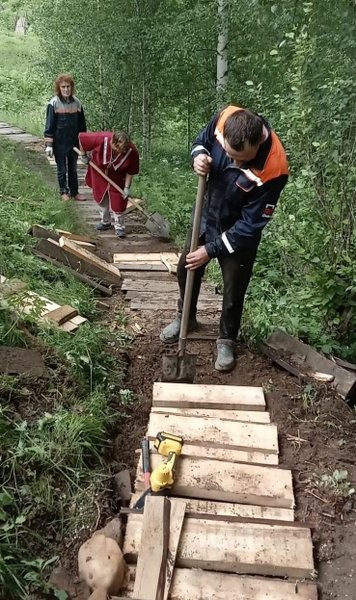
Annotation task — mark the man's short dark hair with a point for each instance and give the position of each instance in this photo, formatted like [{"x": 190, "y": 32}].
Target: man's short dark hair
[{"x": 243, "y": 126}]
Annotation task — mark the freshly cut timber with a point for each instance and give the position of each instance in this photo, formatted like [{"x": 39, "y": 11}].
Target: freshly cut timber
[
  {"x": 233, "y": 435},
  {"x": 246, "y": 548},
  {"x": 229, "y": 482},
  {"x": 224, "y": 397},
  {"x": 195, "y": 584}
]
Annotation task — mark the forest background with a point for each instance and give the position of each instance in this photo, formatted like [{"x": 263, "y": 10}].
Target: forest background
[{"x": 161, "y": 68}]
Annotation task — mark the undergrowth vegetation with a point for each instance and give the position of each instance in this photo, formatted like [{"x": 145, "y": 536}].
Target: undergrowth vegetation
[{"x": 55, "y": 431}]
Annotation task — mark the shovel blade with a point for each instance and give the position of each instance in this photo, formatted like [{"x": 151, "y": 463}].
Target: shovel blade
[
  {"x": 180, "y": 369},
  {"x": 158, "y": 226}
]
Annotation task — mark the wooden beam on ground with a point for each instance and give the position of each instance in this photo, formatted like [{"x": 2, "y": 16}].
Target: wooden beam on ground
[
  {"x": 87, "y": 257},
  {"x": 248, "y": 511},
  {"x": 246, "y": 548},
  {"x": 153, "y": 266},
  {"x": 143, "y": 257},
  {"x": 30, "y": 303},
  {"x": 311, "y": 363},
  {"x": 228, "y": 482},
  {"x": 52, "y": 249},
  {"x": 152, "y": 557},
  {"x": 39, "y": 231},
  {"x": 62, "y": 314},
  {"x": 226, "y": 397},
  {"x": 107, "y": 291},
  {"x": 248, "y": 416},
  {"x": 232, "y": 435},
  {"x": 195, "y": 584}
]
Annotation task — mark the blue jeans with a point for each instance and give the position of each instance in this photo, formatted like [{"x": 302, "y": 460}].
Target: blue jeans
[
  {"x": 67, "y": 166},
  {"x": 236, "y": 270}
]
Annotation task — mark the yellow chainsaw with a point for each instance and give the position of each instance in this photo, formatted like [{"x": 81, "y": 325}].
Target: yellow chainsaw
[{"x": 162, "y": 477}]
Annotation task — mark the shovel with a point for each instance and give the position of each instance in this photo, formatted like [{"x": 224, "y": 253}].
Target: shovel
[
  {"x": 180, "y": 367},
  {"x": 155, "y": 223}
]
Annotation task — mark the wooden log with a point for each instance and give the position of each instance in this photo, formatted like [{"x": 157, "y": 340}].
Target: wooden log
[
  {"x": 151, "y": 564},
  {"x": 195, "y": 584},
  {"x": 246, "y": 548},
  {"x": 62, "y": 314},
  {"x": 107, "y": 291},
  {"x": 228, "y": 482},
  {"x": 87, "y": 257},
  {"x": 309, "y": 362},
  {"x": 249, "y": 416},
  {"x": 248, "y": 511},
  {"x": 232, "y": 435},
  {"x": 226, "y": 397}
]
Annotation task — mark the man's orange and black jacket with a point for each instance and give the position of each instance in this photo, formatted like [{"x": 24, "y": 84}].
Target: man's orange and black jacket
[{"x": 239, "y": 200}]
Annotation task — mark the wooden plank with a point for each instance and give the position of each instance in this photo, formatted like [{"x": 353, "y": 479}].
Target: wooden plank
[
  {"x": 170, "y": 261},
  {"x": 154, "y": 266},
  {"x": 227, "y": 397},
  {"x": 158, "y": 304},
  {"x": 175, "y": 530},
  {"x": 51, "y": 249},
  {"x": 130, "y": 207},
  {"x": 248, "y": 511},
  {"x": 310, "y": 362},
  {"x": 144, "y": 285},
  {"x": 228, "y": 482},
  {"x": 152, "y": 556},
  {"x": 150, "y": 275},
  {"x": 202, "y": 431},
  {"x": 107, "y": 291},
  {"x": 141, "y": 257},
  {"x": 249, "y": 416},
  {"x": 62, "y": 314},
  {"x": 248, "y": 548},
  {"x": 234, "y": 456},
  {"x": 195, "y": 584},
  {"x": 88, "y": 257},
  {"x": 39, "y": 231}
]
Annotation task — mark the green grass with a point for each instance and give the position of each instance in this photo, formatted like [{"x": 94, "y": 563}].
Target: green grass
[
  {"x": 23, "y": 92},
  {"x": 54, "y": 433}
]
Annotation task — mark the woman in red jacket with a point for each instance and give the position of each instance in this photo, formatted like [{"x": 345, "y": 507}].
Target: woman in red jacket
[{"x": 118, "y": 158}]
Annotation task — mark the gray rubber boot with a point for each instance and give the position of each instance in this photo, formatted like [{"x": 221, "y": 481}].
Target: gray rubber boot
[
  {"x": 170, "y": 333},
  {"x": 226, "y": 359}
]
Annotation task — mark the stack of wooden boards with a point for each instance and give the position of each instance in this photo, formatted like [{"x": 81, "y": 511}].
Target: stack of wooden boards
[
  {"x": 29, "y": 303},
  {"x": 76, "y": 252},
  {"x": 158, "y": 293},
  {"x": 231, "y": 506}
]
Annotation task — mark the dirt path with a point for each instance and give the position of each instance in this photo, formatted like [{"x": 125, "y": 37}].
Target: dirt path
[{"x": 316, "y": 428}]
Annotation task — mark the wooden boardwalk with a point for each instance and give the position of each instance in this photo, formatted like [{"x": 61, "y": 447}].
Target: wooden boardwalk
[{"x": 232, "y": 529}]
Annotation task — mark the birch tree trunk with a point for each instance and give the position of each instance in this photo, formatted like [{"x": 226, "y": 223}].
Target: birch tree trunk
[{"x": 222, "y": 66}]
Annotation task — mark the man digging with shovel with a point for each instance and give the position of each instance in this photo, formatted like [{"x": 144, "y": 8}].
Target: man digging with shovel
[{"x": 247, "y": 168}]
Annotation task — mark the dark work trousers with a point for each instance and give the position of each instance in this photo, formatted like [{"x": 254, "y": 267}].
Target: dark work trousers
[
  {"x": 236, "y": 269},
  {"x": 67, "y": 166}
]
